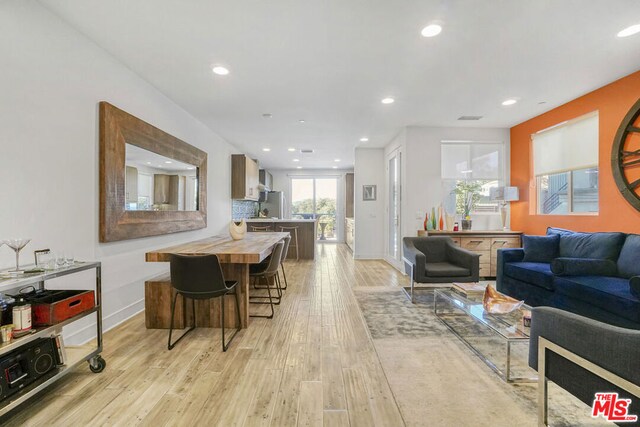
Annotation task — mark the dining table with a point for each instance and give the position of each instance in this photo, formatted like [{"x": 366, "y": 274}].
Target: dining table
[{"x": 235, "y": 258}]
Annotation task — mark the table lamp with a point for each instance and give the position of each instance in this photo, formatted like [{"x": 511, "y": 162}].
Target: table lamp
[{"x": 504, "y": 195}]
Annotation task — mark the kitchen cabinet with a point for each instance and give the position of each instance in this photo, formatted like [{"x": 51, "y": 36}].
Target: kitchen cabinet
[
  {"x": 266, "y": 179},
  {"x": 349, "y": 232},
  {"x": 131, "y": 184},
  {"x": 244, "y": 178},
  {"x": 349, "y": 194}
]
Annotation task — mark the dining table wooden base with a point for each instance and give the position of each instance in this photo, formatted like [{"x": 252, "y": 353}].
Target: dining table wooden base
[{"x": 235, "y": 258}]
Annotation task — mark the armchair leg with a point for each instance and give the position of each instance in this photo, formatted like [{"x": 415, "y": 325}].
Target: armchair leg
[{"x": 409, "y": 295}]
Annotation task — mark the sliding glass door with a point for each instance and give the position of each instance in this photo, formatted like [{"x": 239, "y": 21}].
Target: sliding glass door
[{"x": 317, "y": 198}]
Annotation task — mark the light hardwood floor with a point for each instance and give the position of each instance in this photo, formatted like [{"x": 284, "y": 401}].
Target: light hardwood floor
[{"x": 314, "y": 364}]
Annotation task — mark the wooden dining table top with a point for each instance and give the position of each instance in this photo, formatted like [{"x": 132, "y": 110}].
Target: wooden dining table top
[{"x": 253, "y": 249}]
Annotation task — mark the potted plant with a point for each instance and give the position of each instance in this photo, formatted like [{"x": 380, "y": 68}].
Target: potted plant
[{"x": 467, "y": 197}]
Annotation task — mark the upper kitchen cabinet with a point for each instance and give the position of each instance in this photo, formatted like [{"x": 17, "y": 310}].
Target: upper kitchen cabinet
[
  {"x": 266, "y": 179},
  {"x": 244, "y": 178}
]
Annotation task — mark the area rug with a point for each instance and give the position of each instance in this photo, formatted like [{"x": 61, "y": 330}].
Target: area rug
[{"x": 438, "y": 381}]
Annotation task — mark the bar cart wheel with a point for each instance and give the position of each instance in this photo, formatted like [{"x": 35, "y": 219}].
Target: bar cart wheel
[{"x": 97, "y": 364}]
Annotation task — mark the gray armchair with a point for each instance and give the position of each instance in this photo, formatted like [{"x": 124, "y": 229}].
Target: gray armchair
[
  {"x": 436, "y": 259},
  {"x": 583, "y": 356}
]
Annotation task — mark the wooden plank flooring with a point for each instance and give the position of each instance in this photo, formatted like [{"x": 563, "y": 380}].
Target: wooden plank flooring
[{"x": 314, "y": 364}]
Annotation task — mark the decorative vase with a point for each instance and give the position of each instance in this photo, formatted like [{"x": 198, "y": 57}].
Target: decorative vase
[
  {"x": 466, "y": 224},
  {"x": 434, "y": 223},
  {"x": 426, "y": 220},
  {"x": 238, "y": 230},
  {"x": 429, "y": 223},
  {"x": 441, "y": 215}
]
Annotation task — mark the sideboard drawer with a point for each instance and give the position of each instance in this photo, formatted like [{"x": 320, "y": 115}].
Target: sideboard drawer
[
  {"x": 504, "y": 243},
  {"x": 476, "y": 243}
]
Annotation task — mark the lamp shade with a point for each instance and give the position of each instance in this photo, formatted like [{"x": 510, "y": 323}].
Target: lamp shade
[{"x": 506, "y": 194}]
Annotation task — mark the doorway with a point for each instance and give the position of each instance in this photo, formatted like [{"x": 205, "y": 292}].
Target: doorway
[
  {"x": 393, "y": 253},
  {"x": 317, "y": 198}
]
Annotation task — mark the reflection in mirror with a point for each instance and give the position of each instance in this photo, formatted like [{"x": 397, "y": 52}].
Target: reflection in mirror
[{"x": 158, "y": 183}]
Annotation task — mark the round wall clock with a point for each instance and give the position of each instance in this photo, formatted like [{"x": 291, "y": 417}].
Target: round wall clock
[{"x": 625, "y": 156}]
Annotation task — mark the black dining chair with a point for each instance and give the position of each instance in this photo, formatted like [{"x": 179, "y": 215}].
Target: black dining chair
[
  {"x": 270, "y": 273},
  {"x": 197, "y": 277},
  {"x": 255, "y": 268}
]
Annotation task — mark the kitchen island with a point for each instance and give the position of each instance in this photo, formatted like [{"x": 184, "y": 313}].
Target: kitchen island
[{"x": 306, "y": 233}]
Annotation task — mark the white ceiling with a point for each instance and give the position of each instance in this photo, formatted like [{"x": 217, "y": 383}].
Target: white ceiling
[{"x": 330, "y": 63}]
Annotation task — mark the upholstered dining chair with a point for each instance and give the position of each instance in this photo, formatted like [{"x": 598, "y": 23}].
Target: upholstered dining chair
[
  {"x": 200, "y": 277},
  {"x": 269, "y": 275}
]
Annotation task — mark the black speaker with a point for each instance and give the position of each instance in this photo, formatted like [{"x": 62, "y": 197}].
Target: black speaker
[{"x": 27, "y": 364}]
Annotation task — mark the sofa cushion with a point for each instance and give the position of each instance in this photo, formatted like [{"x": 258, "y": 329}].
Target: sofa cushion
[
  {"x": 629, "y": 260},
  {"x": 445, "y": 269},
  {"x": 591, "y": 245},
  {"x": 540, "y": 248},
  {"x": 634, "y": 285},
  {"x": 558, "y": 231},
  {"x": 536, "y": 273},
  {"x": 612, "y": 294},
  {"x": 583, "y": 267}
]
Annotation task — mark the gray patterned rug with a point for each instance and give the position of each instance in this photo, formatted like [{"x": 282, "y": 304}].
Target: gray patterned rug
[{"x": 428, "y": 367}]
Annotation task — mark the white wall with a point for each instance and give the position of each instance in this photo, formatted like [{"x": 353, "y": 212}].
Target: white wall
[
  {"x": 423, "y": 188},
  {"x": 369, "y": 216},
  {"x": 51, "y": 81}
]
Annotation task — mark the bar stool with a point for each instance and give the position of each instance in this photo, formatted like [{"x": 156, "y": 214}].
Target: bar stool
[
  {"x": 293, "y": 231},
  {"x": 271, "y": 272},
  {"x": 200, "y": 277},
  {"x": 261, "y": 228}
]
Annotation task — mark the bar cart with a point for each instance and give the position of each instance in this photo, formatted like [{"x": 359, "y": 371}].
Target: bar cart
[{"x": 76, "y": 356}]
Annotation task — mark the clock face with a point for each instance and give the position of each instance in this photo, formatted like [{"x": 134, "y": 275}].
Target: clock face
[{"x": 625, "y": 157}]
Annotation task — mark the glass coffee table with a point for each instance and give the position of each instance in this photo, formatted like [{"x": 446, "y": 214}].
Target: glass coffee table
[{"x": 500, "y": 340}]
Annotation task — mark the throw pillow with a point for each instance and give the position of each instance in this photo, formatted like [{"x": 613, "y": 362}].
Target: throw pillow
[
  {"x": 629, "y": 260},
  {"x": 634, "y": 285},
  {"x": 583, "y": 267},
  {"x": 540, "y": 248}
]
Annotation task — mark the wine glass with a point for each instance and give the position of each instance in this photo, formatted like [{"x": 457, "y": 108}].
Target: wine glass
[{"x": 17, "y": 245}]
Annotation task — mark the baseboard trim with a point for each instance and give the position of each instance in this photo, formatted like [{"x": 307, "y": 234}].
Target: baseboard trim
[{"x": 88, "y": 333}]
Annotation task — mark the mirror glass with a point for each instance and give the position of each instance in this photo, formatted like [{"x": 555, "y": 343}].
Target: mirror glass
[{"x": 158, "y": 183}]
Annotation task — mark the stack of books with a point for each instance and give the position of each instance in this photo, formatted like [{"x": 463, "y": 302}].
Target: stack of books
[{"x": 469, "y": 289}]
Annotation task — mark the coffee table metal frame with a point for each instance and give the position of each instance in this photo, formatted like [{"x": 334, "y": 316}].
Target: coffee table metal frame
[{"x": 463, "y": 304}]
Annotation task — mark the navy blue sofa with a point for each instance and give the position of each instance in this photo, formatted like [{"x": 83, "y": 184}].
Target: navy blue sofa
[{"x": 596, "y": 275}]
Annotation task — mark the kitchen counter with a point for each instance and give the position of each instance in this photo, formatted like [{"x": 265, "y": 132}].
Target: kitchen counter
[
  {"x": 276, "y": 220},
  {"x": 307, "y": 234}
]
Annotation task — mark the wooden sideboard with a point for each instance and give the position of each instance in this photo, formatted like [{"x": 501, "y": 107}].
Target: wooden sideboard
[{"x": 486, "y": 243}]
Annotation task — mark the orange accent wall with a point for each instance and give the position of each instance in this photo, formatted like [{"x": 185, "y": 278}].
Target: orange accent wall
[{"x": 616, "y": 214}]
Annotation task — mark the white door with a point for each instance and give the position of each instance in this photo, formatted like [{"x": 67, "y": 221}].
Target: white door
[{"x": 394, "y": 237}]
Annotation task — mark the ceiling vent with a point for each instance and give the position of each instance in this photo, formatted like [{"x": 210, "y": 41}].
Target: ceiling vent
[
  {"x": 469, "y": 117},
  {"x": 306, "y": 151}
]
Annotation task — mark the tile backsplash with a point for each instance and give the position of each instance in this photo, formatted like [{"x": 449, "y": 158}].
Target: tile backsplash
[{"x": 244, "y": 209}]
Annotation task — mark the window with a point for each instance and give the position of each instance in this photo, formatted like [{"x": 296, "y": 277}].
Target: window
[
  {"x": 471, "y": 167},
  {"x": 565, "y": 164},
  {"x": 316, "y": 198}
]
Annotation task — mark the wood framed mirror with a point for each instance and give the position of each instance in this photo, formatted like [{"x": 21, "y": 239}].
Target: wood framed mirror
[{"x": 151, "y": 183}]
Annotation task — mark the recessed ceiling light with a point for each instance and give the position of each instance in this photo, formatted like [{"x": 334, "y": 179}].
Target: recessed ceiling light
[
  {"x": 168, "y": 162},
  {"x": 266, "y": 149},
  {"x": 336, "y": 160},
  {"x": 267, "y": 115},
  {"x": 301, "y": 121},
  {"x": 335, "y": 167},
  {"x": 388, "y": 100},
  {"x": 364, "y": 139},
  {"x": 298, "y": 167},
  {"x": 291, "y": 149},
  {"x": 629, "y": 31},
  {"x": 431, "y": 30},
  {"x": 508, "y": 102},
  {"x": 296, "y": 160},
  {"x": 148, "y": 163},
  {"x": 221, "y": 71}
]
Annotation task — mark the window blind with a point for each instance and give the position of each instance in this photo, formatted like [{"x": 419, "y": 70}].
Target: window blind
[
  {"x": 471, "y": 161},
  {"x": 570, "y": 146}
]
